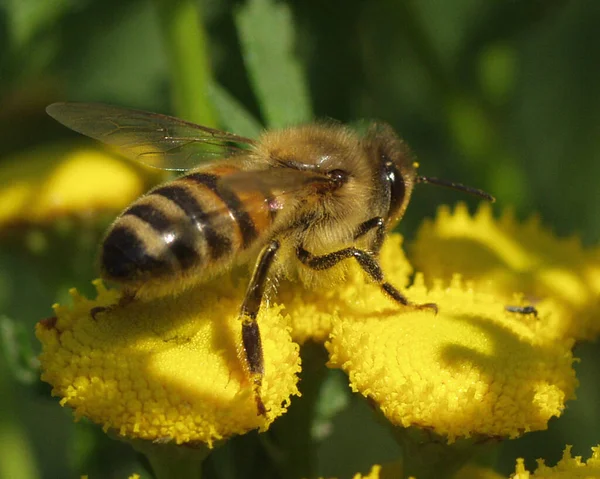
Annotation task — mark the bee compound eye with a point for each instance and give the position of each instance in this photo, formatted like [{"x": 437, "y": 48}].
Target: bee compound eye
[{"x": 338, "y": 176}]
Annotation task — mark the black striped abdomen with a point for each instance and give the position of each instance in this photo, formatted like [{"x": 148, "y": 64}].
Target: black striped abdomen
[{"x": 189, "y": 224}]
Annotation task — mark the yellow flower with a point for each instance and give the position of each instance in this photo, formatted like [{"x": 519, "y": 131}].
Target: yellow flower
[
  {"x": 472, "y": 369},
  {"x": 373, "y": 474},
  {"x": 313, "y": 312},
  {"x": 38, "y": 186},
  {"x": 133, "y": 476},
  {"x": 505, "y": 256},
  {"x": 168, "y": 369},
  {"x": 568, "y": 467},
  {"x": 395, "y": 470}
]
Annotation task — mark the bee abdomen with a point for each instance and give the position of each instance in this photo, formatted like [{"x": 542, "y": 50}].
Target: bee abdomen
[
  {"x": 124, "y": 256},
  {"x": 178, "y": 240},
  {"x": 232, "y": 203},
  {"x": 218, "y": 244},
  {"x": 145, "y": 241},
  {"x": 191, "y": 222}
]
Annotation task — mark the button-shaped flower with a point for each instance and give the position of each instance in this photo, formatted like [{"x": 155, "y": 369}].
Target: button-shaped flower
[
  {"x": 39, "y": 186},
  {"x": 373, "y": 474},
  {"x": 471, "y": 370},
  {"x": 506, "y": 256},
  {"x": 166, "y": 370},
  {"x": 568, "y": 467}
]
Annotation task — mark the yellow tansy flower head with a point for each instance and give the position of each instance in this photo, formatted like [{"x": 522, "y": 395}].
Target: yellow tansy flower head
[
  {"x": 568, "y": 467},
  {"x": 373, "y": 474},
  {"x": 506, "y": 256},
  {"x": 472, "y": 369},
  {"x": 39, "y": 185},
  {"x": 168, "y": 369},
  {"x": 133, "y": 476},
  {"x": 313, "y": 312}
]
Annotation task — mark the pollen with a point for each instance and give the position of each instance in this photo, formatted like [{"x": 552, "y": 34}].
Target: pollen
[
  {"x": 313, "y": 312},
  {"x": 471, "y": 370},
  {"x": 505, "y": 256},
  {"x": 167, "y": 370}
]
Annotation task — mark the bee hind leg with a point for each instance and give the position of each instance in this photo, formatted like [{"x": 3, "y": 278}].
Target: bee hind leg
[
  {"x": 250, "y": 329},
  {"x": 369, "y": 264},
  {"x": 128, "y": 297}
]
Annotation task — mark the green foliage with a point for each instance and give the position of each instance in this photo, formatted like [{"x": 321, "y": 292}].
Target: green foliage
[
  {"x": 266, "y": 32},
  {"x": 500, "y": 95},
  {"x": 232, "y": 114},
  {"x": 18, "y": 354}
]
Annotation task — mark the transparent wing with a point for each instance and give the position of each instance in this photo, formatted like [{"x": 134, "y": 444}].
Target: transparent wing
[
  {"x": 276, "y": 180},
  {"x": 153, "y": 139},
  {"x": 278, "y": 188}
]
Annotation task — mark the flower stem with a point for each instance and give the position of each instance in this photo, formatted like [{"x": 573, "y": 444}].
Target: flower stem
[
  {"x": 292, "y": 433},
  {"x": 185, "y": 43},
  {"x": 169, "y": 460},
  {"x": 427, "y": 455},
  {"x": 16, "y": 457}
]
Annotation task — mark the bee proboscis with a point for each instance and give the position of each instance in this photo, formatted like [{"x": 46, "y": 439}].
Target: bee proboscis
[{"x": 296, "y": 201}]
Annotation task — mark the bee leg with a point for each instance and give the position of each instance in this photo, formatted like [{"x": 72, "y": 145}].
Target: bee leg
[
  {"x": 367, "y": 261},
  {"x": 127, "y": 297},
  {"x": 376, "y": 223},
  {"x": 249, "y": 312}
]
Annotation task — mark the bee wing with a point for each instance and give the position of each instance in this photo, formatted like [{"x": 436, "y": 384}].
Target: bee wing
[
  {"x": 156, "y": 140},
  {"x": 279, "y": 187},
  {"x": 273, "y": 180}
]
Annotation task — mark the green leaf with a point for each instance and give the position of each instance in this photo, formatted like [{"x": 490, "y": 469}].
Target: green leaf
[
  {"x": 186, "y": 46},
  {"x": 17, "y": 455},
  {"x": 28, "y": 17},
  {"x": 266, "y": 33},
  {"x": 333, "y": 398},
  {"x": 233, "y": 116},
  {"x": 16, "y": 348}
]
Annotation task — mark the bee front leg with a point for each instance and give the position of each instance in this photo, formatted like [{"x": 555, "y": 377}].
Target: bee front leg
[
  {"x": 369, "y": 264},
  {"x": 376, "y": 223},
  {"x": 248, "y": 314}
]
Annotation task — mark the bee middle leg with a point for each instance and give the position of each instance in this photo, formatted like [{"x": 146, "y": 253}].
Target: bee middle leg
[
  {"x": 248, "y": 314},
  {"x": 369, "y": 264}
]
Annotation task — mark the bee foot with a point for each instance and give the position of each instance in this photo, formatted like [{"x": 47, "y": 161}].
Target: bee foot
[
  {"x": 261, "y": 410},
  {"x": 98, "y": 310},
  {"x": 427, "y": 306}
]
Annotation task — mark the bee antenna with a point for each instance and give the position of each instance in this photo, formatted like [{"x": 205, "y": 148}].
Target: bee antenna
[{"x": 456, "y": 186}]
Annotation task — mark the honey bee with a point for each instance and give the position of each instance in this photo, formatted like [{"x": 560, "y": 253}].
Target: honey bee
[{"x": 303, "y": 198}]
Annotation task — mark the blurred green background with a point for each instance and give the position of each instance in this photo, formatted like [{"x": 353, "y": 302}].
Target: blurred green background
[{"x": 502, "y": 95}]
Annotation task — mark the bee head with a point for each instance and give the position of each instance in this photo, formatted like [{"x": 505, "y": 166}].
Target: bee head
[
  {"x": 396, "y": 167},
  {"x": 399, "y": 175}
]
